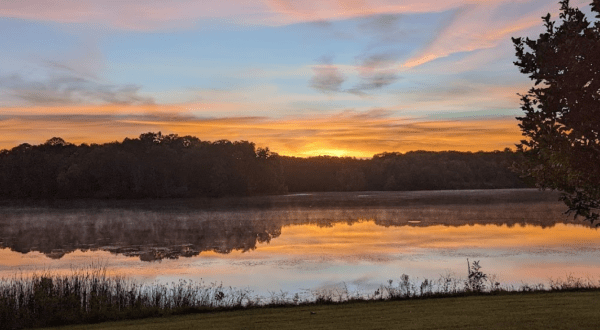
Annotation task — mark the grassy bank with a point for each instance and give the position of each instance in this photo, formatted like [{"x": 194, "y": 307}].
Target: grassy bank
[
  {"x": 88, "y": 296},
  {"x": 539, "y": 310}
]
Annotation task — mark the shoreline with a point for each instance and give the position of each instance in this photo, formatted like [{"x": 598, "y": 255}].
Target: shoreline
[{"x": 357, "y": 199}]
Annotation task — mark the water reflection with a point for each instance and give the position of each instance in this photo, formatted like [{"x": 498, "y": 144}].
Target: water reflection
[
  {"x": 307, "y": 241},
  {"x": 152, "y": 234}
]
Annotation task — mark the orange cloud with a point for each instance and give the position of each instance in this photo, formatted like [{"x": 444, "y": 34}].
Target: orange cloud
[
  {"x": 349, "y": 133},
  {"x": 315, "y": 10}
]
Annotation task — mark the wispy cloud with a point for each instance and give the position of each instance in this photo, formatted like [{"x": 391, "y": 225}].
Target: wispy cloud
[
  {"x": 452, "y": 56},
  {"x": 480, "y": 26},
  {"x": 385, "y": 24},
  {"x": 341, "y": 9},
  {"x": 74, "y": 79},
  {"x": 376, "y": 71},
  {"x": 65, "y": 86},
  {"x": 161, "y": 14},
  {"x": 327, "y": 78},
  {"x": 145, "y": 15},
  {"x": 373, "y": 72},
  {"x": 347, "y": 133}
]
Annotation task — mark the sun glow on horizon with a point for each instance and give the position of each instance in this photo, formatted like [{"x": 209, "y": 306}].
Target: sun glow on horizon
[
  {"x": 342, "y": 134},
  {"x": 380, "y": 75}
]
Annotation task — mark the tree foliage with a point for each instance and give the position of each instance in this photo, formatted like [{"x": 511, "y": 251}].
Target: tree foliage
[
  {"x": 167, "y": 166},
  {"x": 561, "y": 124},
  {"x": 152, "y": 166},
  {"x": 394, "y": 171}
]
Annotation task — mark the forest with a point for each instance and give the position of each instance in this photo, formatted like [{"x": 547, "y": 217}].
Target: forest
[{"x": 171, "y": 166}]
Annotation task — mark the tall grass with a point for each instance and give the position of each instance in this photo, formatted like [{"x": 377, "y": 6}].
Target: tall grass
[{"x": 89, "y": 295}]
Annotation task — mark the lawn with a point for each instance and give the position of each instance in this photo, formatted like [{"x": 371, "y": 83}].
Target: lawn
[{"x": 556, "y": 310}]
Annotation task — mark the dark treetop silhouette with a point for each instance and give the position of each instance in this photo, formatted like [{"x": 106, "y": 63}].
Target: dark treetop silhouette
[
  {"x": 152, "y": 166},
  {"x": 562, "y": 111},
  {"x": 159, "y": 166}
]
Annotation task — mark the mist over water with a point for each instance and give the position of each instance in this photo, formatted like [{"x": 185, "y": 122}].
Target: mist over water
[{"x": 307, "y": 241}]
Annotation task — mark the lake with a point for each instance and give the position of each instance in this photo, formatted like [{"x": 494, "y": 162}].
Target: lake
[{"x": 303, "y": 242}]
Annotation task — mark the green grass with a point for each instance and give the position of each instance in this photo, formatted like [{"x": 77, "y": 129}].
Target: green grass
[
  {"x": 541, "y": 310},
  {"x": 88, "y": 296}
]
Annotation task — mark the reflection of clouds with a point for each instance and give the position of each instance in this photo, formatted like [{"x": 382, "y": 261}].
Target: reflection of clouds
[
  {"x": 364, "y": 247},
  {"x": 287, "y": 237},
  {"x": 414, "y": 244}
]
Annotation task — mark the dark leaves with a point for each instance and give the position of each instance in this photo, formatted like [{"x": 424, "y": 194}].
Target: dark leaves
[{"x": 562, "y": 110}]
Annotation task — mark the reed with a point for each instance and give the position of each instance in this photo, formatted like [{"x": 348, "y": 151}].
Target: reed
[{"x": 88, "y": 295}]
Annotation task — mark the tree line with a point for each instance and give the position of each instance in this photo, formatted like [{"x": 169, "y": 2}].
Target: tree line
[
  {"x": 171, "y": 166},
  {"x": 414, "y": 170},
  {"x": 151, "y": 166}
]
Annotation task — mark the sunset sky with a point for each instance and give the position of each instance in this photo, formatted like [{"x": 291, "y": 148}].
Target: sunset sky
[{"x": 344, "y": 77}]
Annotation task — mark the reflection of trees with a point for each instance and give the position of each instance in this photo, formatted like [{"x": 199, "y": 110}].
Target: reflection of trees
[
  {"x": 183, "y": 232},
  {"x": 149, "y": 235}
]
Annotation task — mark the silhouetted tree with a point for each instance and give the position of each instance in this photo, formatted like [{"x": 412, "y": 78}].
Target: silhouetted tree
[
  {"x": 415, "y": 170},
  {"x": 167, "y": 166},
  {"x": 153, "y": 166},
  {"x": 562, "y": 111}
]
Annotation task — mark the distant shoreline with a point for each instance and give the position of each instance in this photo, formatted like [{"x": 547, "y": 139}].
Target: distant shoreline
[
  {"x": 353, "y": 199},
  {"x": 166, "y": 167}
]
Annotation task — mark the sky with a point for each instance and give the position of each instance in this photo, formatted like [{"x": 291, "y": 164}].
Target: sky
[{"x": 304, "y": 78}]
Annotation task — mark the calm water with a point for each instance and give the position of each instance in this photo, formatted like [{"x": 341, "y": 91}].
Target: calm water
[{"x": 308, "y": 241}]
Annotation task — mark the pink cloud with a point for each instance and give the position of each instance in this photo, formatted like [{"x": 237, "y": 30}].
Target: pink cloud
[
  {"x": 133, "y": 14},
  {"x": 162, "y": 14},
  {"x": 485, "y": 25},
  {"x": 314, "y": 10},
  {"x": 474, "y": 28}
]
